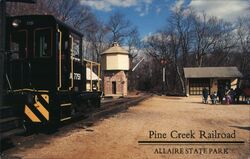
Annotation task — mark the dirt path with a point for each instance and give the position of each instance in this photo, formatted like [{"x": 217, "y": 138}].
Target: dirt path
[{"x": 117, "y": 137}]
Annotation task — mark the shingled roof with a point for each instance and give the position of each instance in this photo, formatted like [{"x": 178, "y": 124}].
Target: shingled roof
[
  {"x": 115, "y": 49},
  {"x": 212, "y": 72}
]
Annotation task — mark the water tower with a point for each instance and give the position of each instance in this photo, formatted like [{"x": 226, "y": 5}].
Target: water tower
[{"x": 115, "y": 66}]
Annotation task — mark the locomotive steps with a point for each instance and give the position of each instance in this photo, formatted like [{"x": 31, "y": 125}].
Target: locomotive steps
[{"x": 10, "y": 124}]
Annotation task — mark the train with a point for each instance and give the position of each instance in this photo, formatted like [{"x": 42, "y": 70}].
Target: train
[{"x": 45, "y": 71}]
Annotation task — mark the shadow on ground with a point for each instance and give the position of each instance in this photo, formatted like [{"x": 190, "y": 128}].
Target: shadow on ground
[{"x": 242, "y": 127}]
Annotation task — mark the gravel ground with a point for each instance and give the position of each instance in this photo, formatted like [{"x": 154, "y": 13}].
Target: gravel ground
[{"x": 117, "y": 136}]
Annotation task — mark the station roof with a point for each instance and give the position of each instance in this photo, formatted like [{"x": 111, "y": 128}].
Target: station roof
[
  {"x": 212, "y": 72},
  {"x": 115, "y": 49}
]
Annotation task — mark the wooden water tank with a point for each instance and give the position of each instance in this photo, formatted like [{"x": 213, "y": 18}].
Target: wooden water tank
[{"x": 115, "y": 58}]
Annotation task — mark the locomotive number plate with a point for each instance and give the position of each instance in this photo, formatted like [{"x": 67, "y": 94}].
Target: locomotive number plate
[{"x": 77, "y": 76}]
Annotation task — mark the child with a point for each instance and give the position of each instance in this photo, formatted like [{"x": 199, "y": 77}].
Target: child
[
  {"x": 205, "y": 94},
  {"x": 213, "y": 98}
]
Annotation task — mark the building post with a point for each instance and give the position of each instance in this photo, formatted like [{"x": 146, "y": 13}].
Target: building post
[
  {"x": 2, "y": 46},
  {"x": 187, "y": 87}
]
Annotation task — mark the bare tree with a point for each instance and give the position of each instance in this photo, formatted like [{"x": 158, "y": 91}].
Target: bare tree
[
  {"x": 206, "y": 33},
  {"x": 98, "y": 41},
  {"x": 156, "y": 46},
  {"x": 180, "y": 29},
  {"x": 165, "y": 45},
  {"x": 223, "y": 48},
  {"x": 181, "y": 23},
  {"x": 243, "y": 38},
  {"x": 119, "y": 27},
  {"x": 71, "y": 12},
  {"x": 134, "y": 43}
]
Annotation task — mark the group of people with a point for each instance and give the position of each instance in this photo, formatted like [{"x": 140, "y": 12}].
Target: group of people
[{"x": 224, "y": 95}]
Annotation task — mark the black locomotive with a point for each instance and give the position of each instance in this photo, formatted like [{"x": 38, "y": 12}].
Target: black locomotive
[{"x": 45, "y": 77}]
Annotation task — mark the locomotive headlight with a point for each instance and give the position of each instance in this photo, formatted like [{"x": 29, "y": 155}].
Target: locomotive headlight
[{"x": 16, "y": 23}]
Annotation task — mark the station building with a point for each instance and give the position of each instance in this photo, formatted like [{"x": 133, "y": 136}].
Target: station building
[{"x": 211, "y": 78}]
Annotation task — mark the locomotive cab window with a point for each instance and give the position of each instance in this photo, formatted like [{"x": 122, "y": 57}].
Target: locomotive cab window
[
  {"x": 76, "y": 46},
  {"x": 43, "y": 43},
  {"x": 18, "y": 44}
]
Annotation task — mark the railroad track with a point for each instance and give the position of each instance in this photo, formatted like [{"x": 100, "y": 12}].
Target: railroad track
[
  {"x": 118, "y": 105},
  {"x": 107, "y": 108}
]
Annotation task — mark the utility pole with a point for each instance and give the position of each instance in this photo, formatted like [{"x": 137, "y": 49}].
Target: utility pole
[
  {"x": 163, "y": 62},
  {"x": 2, "y": 46},
  {"x": 163, "y": 78}
]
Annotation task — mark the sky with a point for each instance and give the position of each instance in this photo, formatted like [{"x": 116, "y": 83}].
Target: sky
[{"x": 151, "y": 15}]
